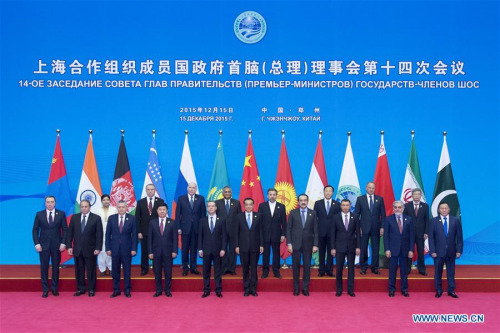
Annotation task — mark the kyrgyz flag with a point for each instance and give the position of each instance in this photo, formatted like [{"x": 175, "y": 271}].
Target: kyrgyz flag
[
  {"x": 219, "y": 177},
  {"x": 122, "y": 187},
  {"x": 251, "y": 186},
  {"x": 286, "y": 189},
  {"x": 90, "y": 185}
]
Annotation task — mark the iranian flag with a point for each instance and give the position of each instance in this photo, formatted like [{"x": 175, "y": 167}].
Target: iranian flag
[
  {"x": 122, "y": 187},
  {"x": 90, "y": 185}
]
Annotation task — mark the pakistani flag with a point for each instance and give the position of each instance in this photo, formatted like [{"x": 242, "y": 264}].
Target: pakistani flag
[
  {"x": 413, "y": 177},
  {"x": 445, "y": 191},
  {"x": 219, "y": 177}
]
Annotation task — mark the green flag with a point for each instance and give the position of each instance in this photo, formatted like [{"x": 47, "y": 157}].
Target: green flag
[
  {"x": 413, "y": 177},
  {"x": 219, "y": 177}
]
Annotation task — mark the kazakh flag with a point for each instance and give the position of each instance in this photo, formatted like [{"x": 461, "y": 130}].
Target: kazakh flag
[{"x": 219, "y": 177}]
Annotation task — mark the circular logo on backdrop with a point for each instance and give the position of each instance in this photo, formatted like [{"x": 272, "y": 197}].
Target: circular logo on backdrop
[
  {"x": 88, "y": 195},
  {"x": 250, "y": 27}
]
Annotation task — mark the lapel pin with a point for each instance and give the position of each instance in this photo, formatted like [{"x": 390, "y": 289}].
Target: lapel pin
[
  {"x": 351, "y": 217},
  {"x": 406, "y": 219},
  {"x": 231, "y": 203},
  {"x": 278, "y": 207},
  {"x": 126, "y": 219},
  {"x": 376, "y": 200},
  {"x": 217, "y": 218},
  {"x": 255, "y": 216}
]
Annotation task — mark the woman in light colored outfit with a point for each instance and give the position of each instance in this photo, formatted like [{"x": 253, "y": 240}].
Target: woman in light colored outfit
[{"x": 103, "y": 260}]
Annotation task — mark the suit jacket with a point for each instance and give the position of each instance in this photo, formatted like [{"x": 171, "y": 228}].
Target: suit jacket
[
  {"x": 188, "y": 219},
  {"x": 162, "y": 245},
  {"x": 342, "y": 240},
  {"x": 302, "y": 238},
  {"x": 142, "y": 213},
  {"x": 368, "y": 219},
  {"x": 325, "y": 220},
  {"x": 249, "y": 240},
  {"x": 234, "y": 210},
  {"x": 421, "y": 221},
  {"x": 212, "y": 242},
  {"x": 91, "y": 238},
  {"x": 394, "y": 241},
  {"x": 442, "y": 245},
  {"x": 50, "y": 237},
  {"x": 273, "y": 227},
  {"x": 126, "y": 241}
]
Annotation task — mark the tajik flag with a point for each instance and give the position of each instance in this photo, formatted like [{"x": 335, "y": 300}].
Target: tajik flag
[
  {"x": 445, "y": 190},
  {"x": 286, "y": 189},
  {"x": 317, "y": 177},
  {"x": 251, "y": 186},
  {"x": 90, "y": 185},
  {"x": 153, "y": 173},
  {"x": 349, "y": 183},
  {"x": 219, "y": 177},
  {"x": 122, "y": 187},
  {"x": 383, "y": 184}
]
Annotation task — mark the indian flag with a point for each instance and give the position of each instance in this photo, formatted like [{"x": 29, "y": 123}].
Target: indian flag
[{"x": 90, "y": 185}]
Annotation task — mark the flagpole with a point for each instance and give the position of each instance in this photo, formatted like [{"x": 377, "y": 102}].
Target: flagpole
[
  {"x": 412, "y": 134},
  {"x": 154, "y": 133},
  {"x": 249, "y": 134},
  {"x": 284, "y": 266},
  {"x": 320, "y": 132},
  {"x": 282, "y": 134},
  {"x": 58, "y": 131},
  {"x": 123, "y": 132}
]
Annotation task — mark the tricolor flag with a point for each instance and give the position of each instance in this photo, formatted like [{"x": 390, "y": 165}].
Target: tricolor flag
[
  {"x": 153, "y": 173},
  {"x": 445, "y": 190},
  {"x": 251, "y": 186},
  {"x": 349, "y": 183},
  {"x": 90, "y": 185},
  {"x": 219, "y": 177},
  {"x": 286, "y": 188},
  {"x": 58, "y": 186},
  {"x": 122, "y": 187}
]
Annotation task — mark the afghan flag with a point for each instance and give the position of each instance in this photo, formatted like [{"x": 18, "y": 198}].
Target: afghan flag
[
  {"x": 58, "y": 186},
  {"x": 286, "y": 189},
  {"x": 251, "y": 186},
  {"x": 444, "y": 190},
  {"x": 122, "y": 187},
  {"x": 219, "y": 177},
  {"x": 90, "y": 185}
]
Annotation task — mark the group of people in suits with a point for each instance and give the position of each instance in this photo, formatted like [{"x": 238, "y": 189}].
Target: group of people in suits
[{"x": 220, "y": 230}]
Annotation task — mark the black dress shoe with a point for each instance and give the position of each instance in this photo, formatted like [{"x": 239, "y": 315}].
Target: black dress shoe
[
  {"x": 205, "y": 294},
  {"x": 78, "y": 293},
  {"x": 351, "y": 293},
  {"x": 264, "y": 275},
  {"x": 232, "y": 273},
  {"x": 453, "y": 295},
  {"x": 226, "y": 273},
  {"x": 45, "y": 294},
  {"x": 144, "y": 273},
  {"x": 330, "y": 274},
  {"x": 338, "y": 293},
  {"x": 423, "y": 273},
  {"x": 438, "y": 294},
  {"x": 55, "y": 293},
  {"x": 391, "y": 293},
  {"x": 168, "y": 294},
  {"x": 91, "y": 293},
  {"x": 363, "y": 272},
  {"x": 114, "y": 294},
  {"x": 184, "y": 273},
  {"x": 127, "y": 294},
  {"x": 296, "y": 293},
  {"x": 305, "y": 292},
  {"x": 102, "y": 274},
  {"x": 405, "y": 294},
  {"x": 255, "y": 294},
  {"x": 278, "y": 276},
  {"x": 158, "y": 293},
  {"x": 219, "y": 295},
  {"x": 195, "y": 272},
  {"x": 246, "y": 294},
  {"x": 375, "y": 271},
  {"x": 321, "y": 274}
]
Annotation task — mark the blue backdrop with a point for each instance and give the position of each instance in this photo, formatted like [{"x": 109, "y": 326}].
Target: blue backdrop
[{"x": 453, "y": 33}]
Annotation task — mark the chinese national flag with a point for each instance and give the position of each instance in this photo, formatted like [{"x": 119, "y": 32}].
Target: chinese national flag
[
  {"x": 286, "y": 189},
  {"x": 251, "y": 186}
]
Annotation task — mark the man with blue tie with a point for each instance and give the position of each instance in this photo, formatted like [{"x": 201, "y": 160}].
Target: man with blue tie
[
  {"x": 190, "y": 209},
  {"x": 302, "y": 242},
  {"x": 49, "y": 235},
  {"x": 399, "y": 240},
  {"x": 445, "y": 244},
  {"x": 212, "y": 242},
  {"x": 162, "y": 247},
  {"x": 121, "y": 245}
]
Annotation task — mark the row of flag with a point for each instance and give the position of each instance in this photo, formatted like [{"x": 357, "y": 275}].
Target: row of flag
[{"x": 122, "y": 187}]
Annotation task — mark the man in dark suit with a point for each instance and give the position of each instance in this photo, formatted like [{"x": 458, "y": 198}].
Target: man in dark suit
[
  {"x": 145, "y": 212},
  {"x": 190, "y": 209},
  {"x": 325, "y": 210},
  {"x": 121, "y": 245},
  {"x": 49, "y": 235},
  {"x": 302, "y": 241},
  {"x": 446, "y": 244},
  {"x": 249, "y": 245},
  {"x": 370, "y": 209},
  {"x": 85, "y": 236},
  {"x": 273, "y": 216},
  {"x": 419, "y": 213},
  {"x": 399, "y": 240},
  {"x": 162, "y": 247},
  {"x": 212, "y": 242},
  {"x": 345, "y": 242},
  {"x": 227, "y": 209}
]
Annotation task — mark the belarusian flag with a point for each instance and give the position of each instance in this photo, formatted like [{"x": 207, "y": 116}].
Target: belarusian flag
[
  {"x": 286, "y": 188},
  {"x": 122, "y": 187},
  {"x": 90, "y": 185},
  {"x": 219, "y": 177},
  {"x": 251, "y": 186},
  {"x": 445, "y": 191},
  {"x": 349, "y": 183}
]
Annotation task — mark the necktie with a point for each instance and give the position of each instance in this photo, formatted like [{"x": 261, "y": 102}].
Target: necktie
[
  {"x": 191, "y": 202},
  {"x": 161, "y": 227},
  {"x": 51, "y": 219},
  {"x": 249, "y": 220},
  {"x": 211, "y": 224},
  {"x": 83, "y": 222},
  {"x": 371, "y": 204},
  {"x": 400, "y": 225},
  {"x": 346, "y": 222},
  {"x": 150, "y": 206},
  {"x": 227, "y": 206},
  {"x": 121, "y": 224},
  {"x": 303, "y": 218},
  {"x": 416, "y": 209},
  {"x": 445, "y": 226},
  {"x": 327, "y": 207}
]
